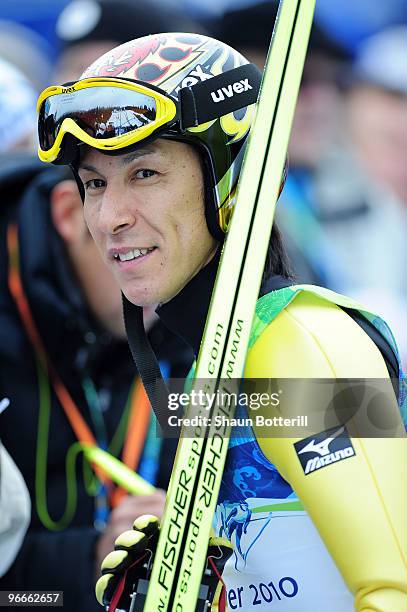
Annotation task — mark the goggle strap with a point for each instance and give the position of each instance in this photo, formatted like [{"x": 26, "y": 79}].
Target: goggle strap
[
  {"x": 146, "y": 361},
  {"x": 219, "y": 95}
]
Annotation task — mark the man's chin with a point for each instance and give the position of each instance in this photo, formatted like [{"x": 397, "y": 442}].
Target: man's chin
[
  {"x": 143, "y": 298},
  {"x": 157, "y": 293}
]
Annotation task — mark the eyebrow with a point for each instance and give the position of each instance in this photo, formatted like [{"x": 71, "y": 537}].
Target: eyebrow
[
  {"x": 148, "y": 150},
  {"x": 127, "y": 159}
]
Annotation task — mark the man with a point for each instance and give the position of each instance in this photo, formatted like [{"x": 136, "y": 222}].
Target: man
[
  {"x": 376, "y": 110},
  {"x": 81, "y": 354},
  {"x": 158, "y": 201}
]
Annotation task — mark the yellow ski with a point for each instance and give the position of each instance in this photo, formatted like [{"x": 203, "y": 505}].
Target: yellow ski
[{"x": 181, "y": 553}]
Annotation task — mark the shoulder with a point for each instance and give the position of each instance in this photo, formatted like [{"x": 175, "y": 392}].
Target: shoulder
[{"x": 313, "y": 337}]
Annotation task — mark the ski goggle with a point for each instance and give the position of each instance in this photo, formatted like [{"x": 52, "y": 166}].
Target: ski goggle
[
  {"x": 105, "y": 113},
  {"x": 109, "y": 113}
]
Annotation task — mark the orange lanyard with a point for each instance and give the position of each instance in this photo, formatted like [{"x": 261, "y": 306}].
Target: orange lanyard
[{"x": 140, "y": 406}]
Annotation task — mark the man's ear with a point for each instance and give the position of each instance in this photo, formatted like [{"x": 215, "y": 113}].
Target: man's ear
[{"x": 67, "y": 210}]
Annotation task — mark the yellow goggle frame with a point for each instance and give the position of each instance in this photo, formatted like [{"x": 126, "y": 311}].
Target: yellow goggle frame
[{"x": 166, "y": 111}]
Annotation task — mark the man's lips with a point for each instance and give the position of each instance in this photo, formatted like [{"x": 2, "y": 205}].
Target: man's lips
[
  {"x": 128, "y": 257},
  {"x": 123, "y": 254}
]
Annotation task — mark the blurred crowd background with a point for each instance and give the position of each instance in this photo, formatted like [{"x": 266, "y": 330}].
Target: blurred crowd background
[
  {"x": 344, "y": 209},
  {"x": 343, "y": 214}
]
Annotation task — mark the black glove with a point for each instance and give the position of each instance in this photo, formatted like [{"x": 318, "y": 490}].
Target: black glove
[{"x": 126, "y": 570}]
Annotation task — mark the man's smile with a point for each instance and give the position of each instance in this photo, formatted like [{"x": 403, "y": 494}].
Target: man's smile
[{"x": 125, "y": 254}]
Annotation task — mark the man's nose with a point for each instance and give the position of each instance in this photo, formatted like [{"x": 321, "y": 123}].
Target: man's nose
[{"x": 117, "y": 211}]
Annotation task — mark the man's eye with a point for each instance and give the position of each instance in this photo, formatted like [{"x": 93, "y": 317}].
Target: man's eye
[
  {"x": 145, "y": 173},
  {"x": 94, "y": 184}
]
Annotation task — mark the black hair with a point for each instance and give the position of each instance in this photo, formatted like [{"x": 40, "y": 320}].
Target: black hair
[{"x": 277, "y": 262}]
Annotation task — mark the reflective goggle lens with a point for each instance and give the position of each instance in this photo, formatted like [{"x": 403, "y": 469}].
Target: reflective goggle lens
[{"x": 102, "y": 112}]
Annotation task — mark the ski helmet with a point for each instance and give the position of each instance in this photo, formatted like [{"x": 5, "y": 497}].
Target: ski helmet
[{"x": 190, "y": 69}]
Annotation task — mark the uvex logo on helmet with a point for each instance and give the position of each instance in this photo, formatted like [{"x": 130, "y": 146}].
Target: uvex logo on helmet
[{"x": 230, "y": 90}]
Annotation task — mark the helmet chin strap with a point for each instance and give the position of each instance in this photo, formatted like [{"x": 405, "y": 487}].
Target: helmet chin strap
[
  {"x": 146, "y": 361},
  {"x": 211, "y": 211},
  {"x": 78, "y": 182}
]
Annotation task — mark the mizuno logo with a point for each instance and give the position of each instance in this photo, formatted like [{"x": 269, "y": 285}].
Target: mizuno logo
[
  {"x": 318, "y": 462},
  {"x": 228, "y": 92},
  {"x": 323, "y": 449}
]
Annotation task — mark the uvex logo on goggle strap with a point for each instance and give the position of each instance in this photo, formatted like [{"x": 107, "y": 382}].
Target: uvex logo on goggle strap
[{"x": 228, "y": 92}]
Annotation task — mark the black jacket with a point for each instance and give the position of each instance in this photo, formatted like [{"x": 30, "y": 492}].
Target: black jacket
[{"x": 77, "y": 347}]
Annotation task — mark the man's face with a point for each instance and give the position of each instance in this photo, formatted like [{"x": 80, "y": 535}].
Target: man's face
[
  {"x": 378, "y": 129},
  {"x": 145, "y": 211},
  {"x": 316, "y": 126}
]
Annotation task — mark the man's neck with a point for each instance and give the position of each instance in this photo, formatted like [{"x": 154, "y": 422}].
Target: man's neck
[{"x": 186, "y": 313}]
